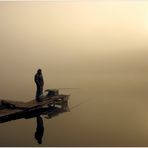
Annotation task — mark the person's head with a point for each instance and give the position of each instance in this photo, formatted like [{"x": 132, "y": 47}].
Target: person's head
[{"x": 39, "y": 71}]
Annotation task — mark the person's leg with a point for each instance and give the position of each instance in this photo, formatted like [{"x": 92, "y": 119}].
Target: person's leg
[
  {"x": 37, "y": 93},
  {"x": 41, "y": 90}
]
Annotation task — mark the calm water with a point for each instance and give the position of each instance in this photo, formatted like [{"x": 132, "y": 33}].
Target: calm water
[{"x": 104, "y": 112}]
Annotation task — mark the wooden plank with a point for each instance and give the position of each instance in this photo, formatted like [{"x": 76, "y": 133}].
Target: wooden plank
[
  {"x": 30, "y": 105},
  {"x": 5, "y": 112},
  {"x": 33, "y": 103}
]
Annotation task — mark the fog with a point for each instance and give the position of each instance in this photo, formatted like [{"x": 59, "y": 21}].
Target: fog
[{"x": 99, "y": 47}]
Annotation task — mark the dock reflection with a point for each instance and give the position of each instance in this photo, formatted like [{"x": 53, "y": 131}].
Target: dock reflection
[
  {"x": 57, "y": 109},
  {"x": 53, "y": 111},
  {"x": 47, "y": 111}
]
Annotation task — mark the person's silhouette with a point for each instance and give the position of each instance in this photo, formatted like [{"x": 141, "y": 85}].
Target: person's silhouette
[
  {"x": 38, "y": 78},
  {"x": 39, "y": 129}
]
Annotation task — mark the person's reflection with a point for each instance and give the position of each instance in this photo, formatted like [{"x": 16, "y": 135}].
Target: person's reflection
[{"x": 39, "y": 129}]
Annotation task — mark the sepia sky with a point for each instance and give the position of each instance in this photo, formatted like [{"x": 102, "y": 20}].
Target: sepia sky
[{"x": 73, "y": 37}]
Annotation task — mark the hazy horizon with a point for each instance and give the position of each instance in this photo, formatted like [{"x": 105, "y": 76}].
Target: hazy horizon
[{"x": 99, "y": 47}]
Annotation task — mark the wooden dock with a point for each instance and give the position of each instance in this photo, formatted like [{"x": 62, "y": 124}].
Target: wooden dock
[{"x": 13, "y": 110}]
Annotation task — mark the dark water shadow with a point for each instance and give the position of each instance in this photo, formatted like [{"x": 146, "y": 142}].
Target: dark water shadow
[
  {"x": 60, "y": 108},
  {"x": 47, "y": 112},
  {"x": 39, "y": 129}
]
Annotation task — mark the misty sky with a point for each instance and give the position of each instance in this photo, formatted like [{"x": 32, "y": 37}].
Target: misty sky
[{"x": 73, "y": 38}]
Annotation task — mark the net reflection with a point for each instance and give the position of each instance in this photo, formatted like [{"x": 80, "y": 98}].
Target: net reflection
[{"x": 60, "y": 108}]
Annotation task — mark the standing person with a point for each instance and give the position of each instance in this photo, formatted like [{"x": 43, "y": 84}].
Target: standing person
[{"x": 38, "y": 78}]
